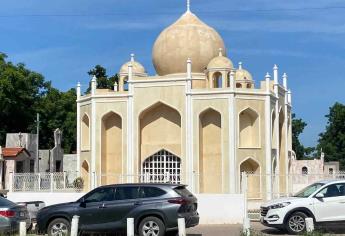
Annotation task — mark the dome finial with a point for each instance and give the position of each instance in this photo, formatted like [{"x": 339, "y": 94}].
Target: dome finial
[
  {"x": 132, "y": 57},
  {"x": 240, "y": 65},
  {"x": 188, "y": 5},
  {"x": 220, "y": 52}
]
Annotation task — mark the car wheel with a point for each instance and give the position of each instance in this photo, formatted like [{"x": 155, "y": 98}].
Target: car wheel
[
  {"x": 59, "y": 227},
  {"x": 151, "y": 226},
  {"x": 295, "y": 223}
]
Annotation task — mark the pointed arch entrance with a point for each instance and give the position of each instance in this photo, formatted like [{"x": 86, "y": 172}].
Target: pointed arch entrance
[
  {"x": 162, "y": 167},
  {"x": 252, "y": 169},
  {"x": 111, "y": 148},
  {"x": 85, "y": 174}
]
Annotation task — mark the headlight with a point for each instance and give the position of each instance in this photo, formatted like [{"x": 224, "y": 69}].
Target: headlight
[{"x": 279, "y": 205}]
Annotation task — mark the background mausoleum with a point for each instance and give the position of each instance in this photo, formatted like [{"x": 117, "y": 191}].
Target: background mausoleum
[{"x": 202, "y": 120}]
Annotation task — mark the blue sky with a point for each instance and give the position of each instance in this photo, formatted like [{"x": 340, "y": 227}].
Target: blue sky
[{"x": 64, "y": 39}]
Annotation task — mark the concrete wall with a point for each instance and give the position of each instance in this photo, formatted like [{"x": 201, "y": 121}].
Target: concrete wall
[
  {"x": 48, "y": 198},
  {"x": 213, "y": 208},
  {"x": 70, "y": 162}
]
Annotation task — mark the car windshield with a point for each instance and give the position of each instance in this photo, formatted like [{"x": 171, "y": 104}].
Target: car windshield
[{"x": 307, "y": 191}]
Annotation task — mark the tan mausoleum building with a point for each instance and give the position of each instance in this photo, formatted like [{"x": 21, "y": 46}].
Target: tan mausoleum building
[{"x": 200, "y": 121}]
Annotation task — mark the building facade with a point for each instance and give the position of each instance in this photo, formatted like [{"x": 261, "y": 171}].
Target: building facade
[{"x": 200, "y": 121}]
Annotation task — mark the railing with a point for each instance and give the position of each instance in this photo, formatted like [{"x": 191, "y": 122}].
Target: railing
[
  {"x": 47, "y": 182},
  {"x": 283, "y": 185}
]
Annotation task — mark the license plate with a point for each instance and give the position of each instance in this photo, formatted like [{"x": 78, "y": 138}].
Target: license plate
[{"x": 21, "y": 214}]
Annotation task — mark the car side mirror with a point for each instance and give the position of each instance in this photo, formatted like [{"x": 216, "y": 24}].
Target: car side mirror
[
  {"x": 320, "y": 195},
  {"x": 82, "y": 203}
]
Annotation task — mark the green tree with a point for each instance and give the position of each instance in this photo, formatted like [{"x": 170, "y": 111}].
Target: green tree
[
  {"x": 103, "y": 80},
  {"x": 298, "y": 126},
  {"x": 20, "y": 92},
  {"x": 332, "y": 140},
  {"x": 58, "y": 110}
]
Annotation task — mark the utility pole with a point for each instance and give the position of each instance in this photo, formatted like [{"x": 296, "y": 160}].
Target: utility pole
[{"x": 37, "y": 132}]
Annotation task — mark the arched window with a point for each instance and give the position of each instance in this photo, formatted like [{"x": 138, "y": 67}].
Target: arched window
[
  {"x": 249, "y": 128},
  {"x": 217, "y": 80},
  {"x": 85, "y": 133},
  {"x": 125, "y": 83},
  {"x": 249, "y": 86},
  {"x": 162, "y": 167},
  {"x": 238, "y": 85},
  {"x": 304, "y": 170}
]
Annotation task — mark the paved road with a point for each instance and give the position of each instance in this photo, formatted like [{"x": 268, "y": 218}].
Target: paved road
[{"x": 235, "y": 230}]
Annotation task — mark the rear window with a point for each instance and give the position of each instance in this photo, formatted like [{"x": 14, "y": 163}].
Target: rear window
[
  {"x": 147, "y": 192},
  {"x": 5, "y": 202},
  {"x": 181, "y": 190}
]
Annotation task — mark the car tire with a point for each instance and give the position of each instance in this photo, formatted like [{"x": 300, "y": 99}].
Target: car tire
[
  {"x": 295, "y": 223},
  {"x": 60, "y": 224},
  {"x": 151, "y": 226}
]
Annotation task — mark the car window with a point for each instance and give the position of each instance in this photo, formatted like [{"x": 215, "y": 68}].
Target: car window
[
  {"x": 181, "y": 190},
  {"x": 124, "y": 193},
  {"x": 334, "y": 190},
  {"x": 6, "y": 203},
  {"x": 307, "y": 191},
  {"x": 101, "y": 195},
  {"x": 148, "y": 192}
]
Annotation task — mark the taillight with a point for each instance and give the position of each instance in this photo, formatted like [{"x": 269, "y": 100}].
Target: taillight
[
  {"x": 7, "y": 213},
  {"x": 180, "y": 201}
]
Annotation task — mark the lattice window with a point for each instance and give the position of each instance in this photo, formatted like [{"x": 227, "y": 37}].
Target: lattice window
[{"x": 162, "y": 167}]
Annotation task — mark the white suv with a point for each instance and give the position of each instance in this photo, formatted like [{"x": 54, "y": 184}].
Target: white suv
[{"x": 323, "y": 201}]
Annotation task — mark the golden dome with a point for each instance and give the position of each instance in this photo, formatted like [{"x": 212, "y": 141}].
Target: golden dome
[
  {"x": 188, "y": 37},
  {"x": 242, "y": 74},
  {"x": 138, "y": 69},
  {"x": 220, "y": 62}
]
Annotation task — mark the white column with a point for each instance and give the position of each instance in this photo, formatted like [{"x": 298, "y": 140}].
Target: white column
[
  {"x": 276, "y": 128},
  {"x": 78, "y": 128},
  {"x": 232, "y": 137},
  {"x": 93, "y": 85},
  {"x": 189, "y": 129},
  {"x": 130, "y": 140},
  {"x": 94, "y": 181},
  {"x": 232, "y": 79},
  {"x": 268, "y": 133},
  {"x": 286, "y": 120}
]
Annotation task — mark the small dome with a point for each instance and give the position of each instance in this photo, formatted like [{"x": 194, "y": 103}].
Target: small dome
[
  {"x": 138, "y": 69},
  {"x": 220, "y": 62},
  {"x": 188, "y": 37},
  {"x": 242, "y": 74}
]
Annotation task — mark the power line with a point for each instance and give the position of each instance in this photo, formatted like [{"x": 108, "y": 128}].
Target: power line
[{"x": 165, "y": 13}]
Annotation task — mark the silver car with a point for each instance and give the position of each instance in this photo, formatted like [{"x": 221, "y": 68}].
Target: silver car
[{"x": 10, "y": 216}]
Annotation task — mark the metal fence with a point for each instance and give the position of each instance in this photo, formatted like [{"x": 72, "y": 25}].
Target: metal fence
[
  {"x": 283, "y": 185},
  {"x": 48, "y": 182}
]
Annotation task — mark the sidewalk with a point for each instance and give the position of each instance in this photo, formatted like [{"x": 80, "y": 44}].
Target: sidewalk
[{"x": 215, "y": 230}]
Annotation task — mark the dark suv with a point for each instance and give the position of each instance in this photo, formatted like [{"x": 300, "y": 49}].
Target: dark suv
[{"x": 154, "y": 207}]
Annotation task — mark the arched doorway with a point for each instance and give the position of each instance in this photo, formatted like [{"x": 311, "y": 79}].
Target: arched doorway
[
  {"x": 210, "y": 152},
  {"x": 111, "y": 148},
  {"x": 162, "y": 167},
  {"x": 85, "y": 174},
  {"x": 252, "y": 169}
]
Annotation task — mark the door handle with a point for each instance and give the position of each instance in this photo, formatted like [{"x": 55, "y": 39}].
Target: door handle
[
  {"x": 138, "y": 203},
  {"x": 102, "y": 206}
]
